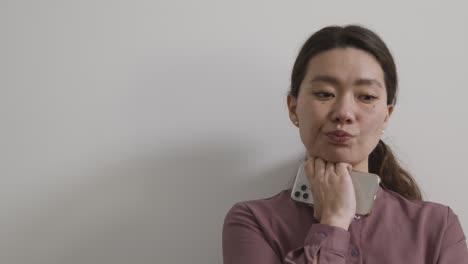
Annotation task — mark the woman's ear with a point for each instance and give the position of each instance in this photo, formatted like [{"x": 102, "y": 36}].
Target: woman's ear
[
  {"x": 292, "y": 105},
  {"x": 387, "y": 116}
]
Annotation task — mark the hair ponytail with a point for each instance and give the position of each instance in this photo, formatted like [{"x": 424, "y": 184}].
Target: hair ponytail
[{"x": 383, "y": 163}]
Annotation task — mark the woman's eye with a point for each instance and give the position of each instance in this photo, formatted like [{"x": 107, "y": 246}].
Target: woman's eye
[
  {"x": 323, "y": 95},
  {"x": 368, "y": 98}
]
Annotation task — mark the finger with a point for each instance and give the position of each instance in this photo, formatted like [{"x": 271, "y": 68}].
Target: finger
[
  {"x": 312, "y": 167},
  {"x": 309, "y": 157},
  {"x": 309, "y": 168},
  {"x": 343, "y": 168},
  {"x": 319, "y": 168},
  {"x": 330, "y": 172},
  {"x": 330, "y": 169}
]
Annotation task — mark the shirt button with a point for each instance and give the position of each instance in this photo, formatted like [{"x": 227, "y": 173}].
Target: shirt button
[
  {"x": 322, "y": 234},
  {"x": 354, "y": 252}
]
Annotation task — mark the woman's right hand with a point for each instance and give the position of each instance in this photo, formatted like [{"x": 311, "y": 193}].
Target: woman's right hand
[{"x": 332, "y": 191}]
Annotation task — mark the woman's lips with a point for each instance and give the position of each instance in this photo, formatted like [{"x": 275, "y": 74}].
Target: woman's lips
[{"x": 338, "y": 139}]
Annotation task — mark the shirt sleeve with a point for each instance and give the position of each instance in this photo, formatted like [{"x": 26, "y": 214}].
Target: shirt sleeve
[
  {"x": 454, "y": 248},
  {"x": 245, "y": 243}
]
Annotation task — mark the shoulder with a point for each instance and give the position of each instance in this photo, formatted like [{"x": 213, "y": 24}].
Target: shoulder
[
  {"x": 437, "y": 223},
  {"x": 278, "y": 219},
  {"x": 429, "y": 213},
  {"x": 260, "y": 208},
  {"x": 255, "y": 216},
  {"x": 277, "y": 212}
]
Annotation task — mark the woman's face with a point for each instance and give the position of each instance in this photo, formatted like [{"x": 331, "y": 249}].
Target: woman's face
[{"x": 343, "y": 89}]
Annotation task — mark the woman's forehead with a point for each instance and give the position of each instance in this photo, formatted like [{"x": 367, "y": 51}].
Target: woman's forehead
[{"x": 345, "y": 64}]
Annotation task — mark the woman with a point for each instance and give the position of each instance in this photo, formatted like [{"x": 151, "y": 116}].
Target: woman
[{"x": 343, "y": 92}]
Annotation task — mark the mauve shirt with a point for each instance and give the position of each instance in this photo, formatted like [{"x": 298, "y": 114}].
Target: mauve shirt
[{"x": 280, "y": 230}]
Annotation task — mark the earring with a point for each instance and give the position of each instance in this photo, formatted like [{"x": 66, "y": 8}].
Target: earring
[
  {"x": 383, "y": 131},
  {"x": 296, "y": 123}
]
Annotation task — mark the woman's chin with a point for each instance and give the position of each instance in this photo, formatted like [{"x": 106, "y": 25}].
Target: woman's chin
[{"x": 335, "y": 158}]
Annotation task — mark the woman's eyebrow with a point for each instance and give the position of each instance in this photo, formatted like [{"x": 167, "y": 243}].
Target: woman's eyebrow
[
  {"x": 326, "y": 79},
  {"x": 368, "y": 82},
  {"x": 335, "y": 81}
]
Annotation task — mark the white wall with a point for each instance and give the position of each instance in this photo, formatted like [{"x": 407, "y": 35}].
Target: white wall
[{"x": 129, "y": 128}]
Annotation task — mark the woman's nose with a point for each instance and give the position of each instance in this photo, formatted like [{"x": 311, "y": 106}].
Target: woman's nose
[{"x": 343, "y": 110}]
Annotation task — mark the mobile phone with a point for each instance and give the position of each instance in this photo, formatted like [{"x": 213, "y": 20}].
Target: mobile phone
[{"x": 365, "y": 187}]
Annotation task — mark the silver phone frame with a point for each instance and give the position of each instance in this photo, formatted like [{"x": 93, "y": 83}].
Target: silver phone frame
[{"x": 365, "y": 186}]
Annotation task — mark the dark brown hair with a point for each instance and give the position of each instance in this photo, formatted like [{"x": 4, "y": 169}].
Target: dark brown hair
[{"x": 381, "y": 160}]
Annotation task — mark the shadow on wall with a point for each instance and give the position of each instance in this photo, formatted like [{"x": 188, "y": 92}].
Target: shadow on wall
[{"x": 159, "y": 204}]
